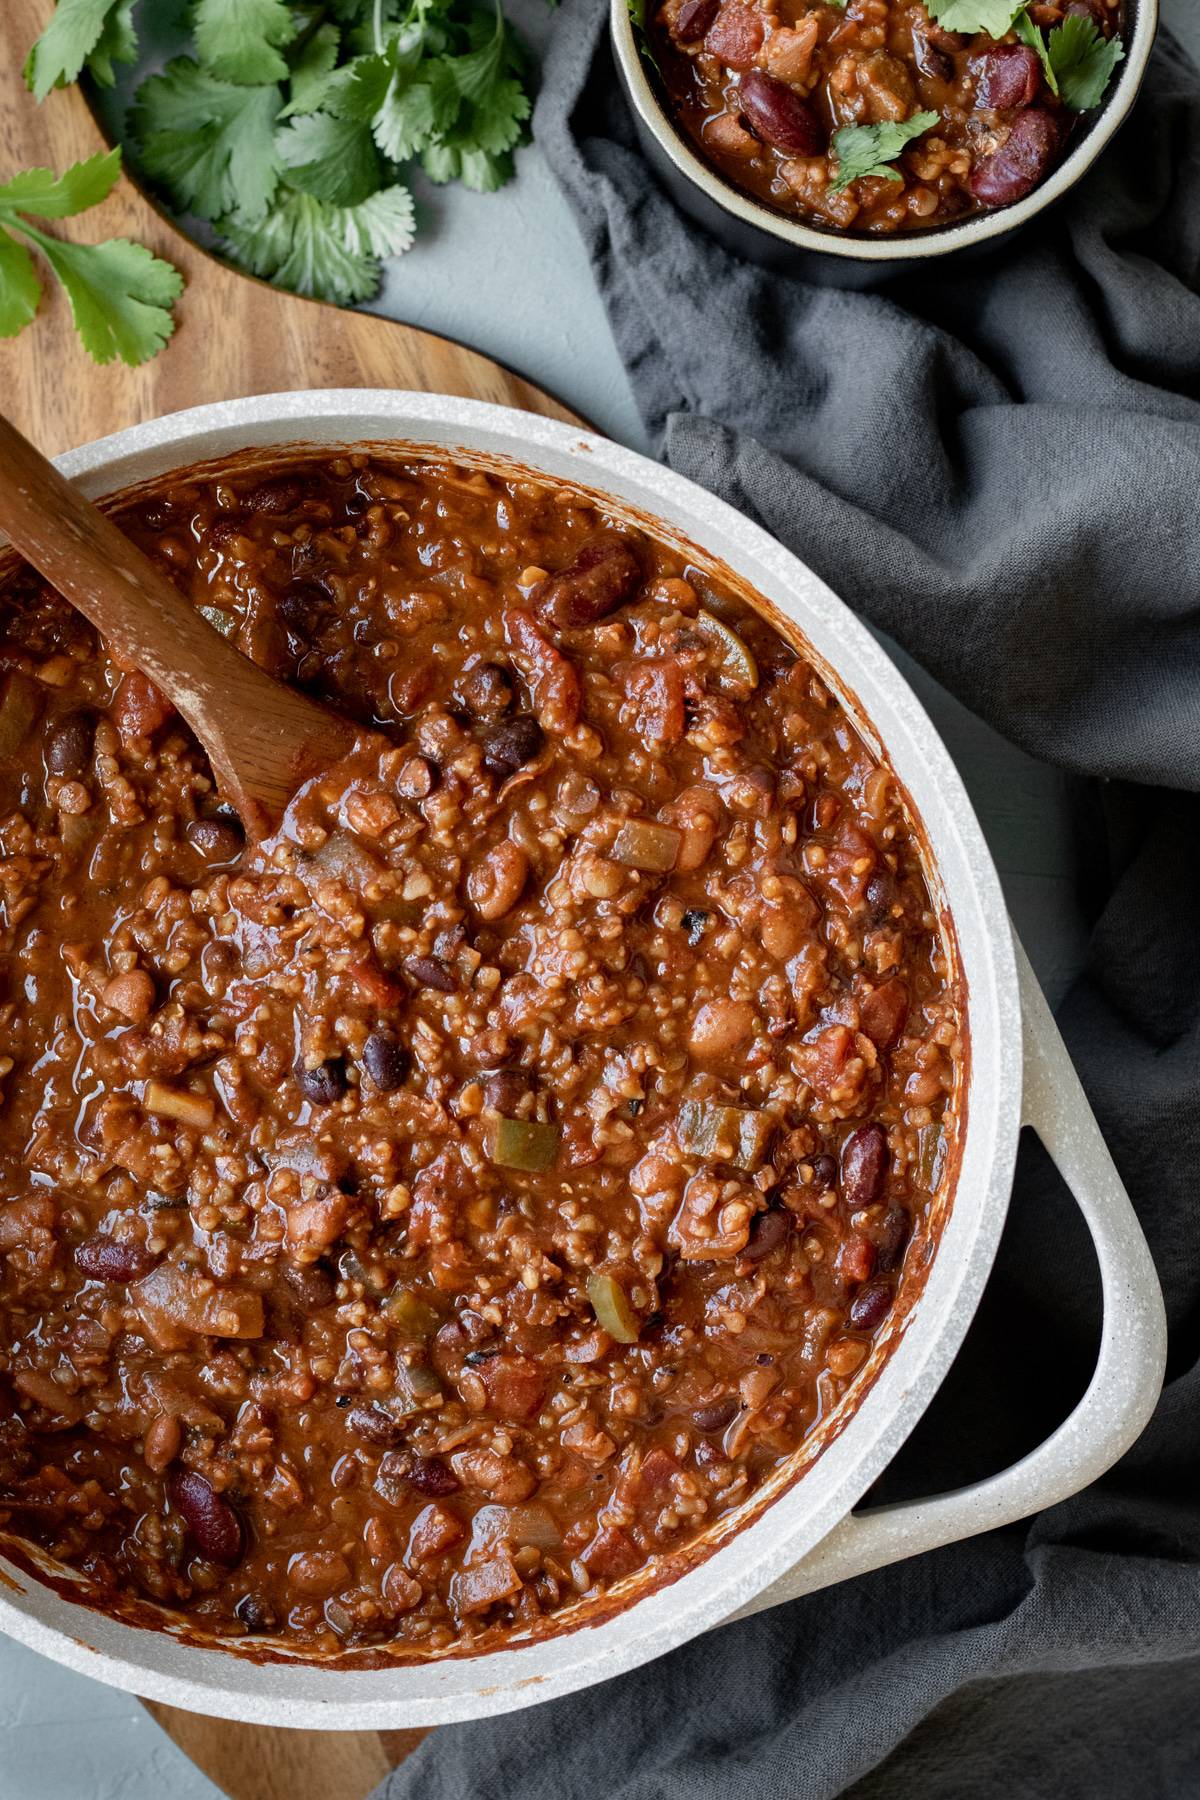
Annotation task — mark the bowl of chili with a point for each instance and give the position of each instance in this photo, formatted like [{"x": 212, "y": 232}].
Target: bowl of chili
[
  {"x": 859, "y": 139},
  {"x": 340, "y": 1324}
]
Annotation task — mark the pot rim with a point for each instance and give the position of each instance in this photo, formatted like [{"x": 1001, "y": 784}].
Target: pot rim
[
  {"x": 219, "y": 1681},
  {"x": 900, "y": 246}
]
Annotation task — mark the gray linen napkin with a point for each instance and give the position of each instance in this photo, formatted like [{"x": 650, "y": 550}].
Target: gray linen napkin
[{"x": 1000, "y": 465}]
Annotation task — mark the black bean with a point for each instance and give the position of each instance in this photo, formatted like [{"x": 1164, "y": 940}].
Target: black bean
[
  {"x": 694, "y": 924},
  {"x": 313, "y": 1285},
  {"x": 474, "y": 1358},
  {"x": 930, "y": 60},
  {"x": 892, "y": 1237},
  {"x": 375, "y": 1426},
  {"x": 69, "y": 745},
  {"x": 301, "y": 605},
  {"x": 505, "y": 1090},
  {"x": 870, "y": 1307},
  {"x": 486, "y": 692},
  {"x": 213, "y": 1525},
  {"x": 104, "y": 1258},
  {"x": 824, "y": 1172},
  {"x": 431, "y": 1476},
  {"x": 508, "y": 747},
  {"x": 386, "y": 1061},
  {"x": 880, "y": 895},
  {"x": 253, "y": 1614},
  {"x": 324, "y": 1084},
  {"x": 430, "y": 972},
  {"x": 768, "y": 1232},
  {"x": 864, "y": 1165},
  {"x": 217, "y": 840},
  {"x": 716, "y": 1414},
  {"x": 777, "y": 114}
]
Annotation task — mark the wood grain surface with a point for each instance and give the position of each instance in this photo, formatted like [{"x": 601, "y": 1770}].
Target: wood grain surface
[{"x": 234, "y": 336}]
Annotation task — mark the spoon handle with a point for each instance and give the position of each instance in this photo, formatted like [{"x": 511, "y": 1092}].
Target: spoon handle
[{"x": 263, "y": 739}]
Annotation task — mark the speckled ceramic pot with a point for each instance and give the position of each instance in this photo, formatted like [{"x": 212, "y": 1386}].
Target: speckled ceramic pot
[
  {"x": 821, "y": 254},
  {"x": 802, "y": 1533}
]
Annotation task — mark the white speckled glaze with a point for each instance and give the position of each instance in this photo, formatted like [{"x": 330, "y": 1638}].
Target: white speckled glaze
[
  {"x": 1019, "y": 1073},
  {"x": 746, "y": 216}
]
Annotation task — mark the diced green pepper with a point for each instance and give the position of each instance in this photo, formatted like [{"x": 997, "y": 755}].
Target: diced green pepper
[
  {"x": 610, "y": 1303},
  {"x": 410, "y": 1313},
  {"x": 644, "y": 844},
  {"x": 525, "y": 1144},
  {"x": 733, "y": 1134},
  {"x": 737, "y": 657},
  {"x": 931, "y": 1157}
]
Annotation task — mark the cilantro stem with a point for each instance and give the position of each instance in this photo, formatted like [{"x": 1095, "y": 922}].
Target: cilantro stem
[{"x": 377, "y": 26}]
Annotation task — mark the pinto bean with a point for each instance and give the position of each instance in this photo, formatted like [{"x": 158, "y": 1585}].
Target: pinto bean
[
  {"x": 486, "y": 691},
  {"x": 312, "y": 1283},
  {"x": 432, "y": 1477},
  {"x": 864, "y": 1165},
  {"x": 213, "y": 1525},
  {"x": 104, "y": 1258},
  {"x": 1014, "y": 170},
  {"x": 693, "y": 20},
  {"x": 603, "y": 576},
  {"x": 777, "y": 114},
  {"x": 720, "y": 1026},
  {"x": 216, "y": 840},
  {"x": 374, "y": 1425},
  {"x": 496, "y": 883},
  {"x": 1006, "y": 77}
]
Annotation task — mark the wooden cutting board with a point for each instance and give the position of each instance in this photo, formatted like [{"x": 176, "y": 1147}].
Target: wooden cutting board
[{"x": 234, "y": 336}]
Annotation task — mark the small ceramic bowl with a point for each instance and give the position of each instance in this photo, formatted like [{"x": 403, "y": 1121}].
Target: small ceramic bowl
[{"x": 763, "y": 235}]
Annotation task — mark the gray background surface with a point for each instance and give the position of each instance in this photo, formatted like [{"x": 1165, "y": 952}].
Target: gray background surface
[{"x": 506, "y": 273}]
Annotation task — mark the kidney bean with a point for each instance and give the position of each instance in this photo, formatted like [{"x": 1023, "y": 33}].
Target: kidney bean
[
  {"x": 386, "y": 1061},
  {"x": 374, "y": 1426},
  {"x": 768, "y": 1232},
  {"x": 69, "y": 745},
  {"x": 777, "y": 114},
  {"x": 930, "y": 60},
  {"x": 1015, "y": 169},
  {"x": 433, "y": 1477},
  {"x": 324, "y": 1084},
  {"x": 313, "y": 1285},
  {"x": 715, "y": 1415},
  {"x": 736, "y": 35},
  {"x": 508, "y": 747},
  {"x": 892, "y": 1237},
  {"x": 281, "y": 496},
  {"x": 880, "y": 896},
  {"x": 870, "y": 1307},
  {"x": 430, "y": 972},
  {"x": 497, "y": 881},
  {"x": 104, "y": 1258},
  {"x": 694, "y": 19},
  {"x": 602, "y": 577},
  {"x": 213, "y": 1525},
  {"x": 864, "y": 1165},
  {"x": 884, "y": 1011},
  {"x": 486, "y": 691},
  {"x": 1007, "y": 76},
  {"x": 217, "y": 840}
]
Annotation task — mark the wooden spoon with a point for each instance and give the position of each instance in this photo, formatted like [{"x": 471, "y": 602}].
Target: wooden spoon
[{"x": 262, "y": 738}]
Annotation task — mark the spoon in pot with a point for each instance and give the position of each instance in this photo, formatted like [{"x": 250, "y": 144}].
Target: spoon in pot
[{"x": 262, "y": 738}]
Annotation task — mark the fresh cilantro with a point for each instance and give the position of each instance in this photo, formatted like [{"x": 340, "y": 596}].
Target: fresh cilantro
[
  {"x": 869, "y": 149},
  {"x": 290, "y": 124},
  {"x": 210, "y": 143},
  {"x": 1083, "y": 60},
  {"x": 641, "y": 36},
  {"x": 330, "y": 252},
  {"x": 1029, "y": 34},
  {"x": 243, "y": 40},
  {"x": 119, "y": 294},
  {"x": 993, "y": 16},
  {"x": 95, "y": 33}
]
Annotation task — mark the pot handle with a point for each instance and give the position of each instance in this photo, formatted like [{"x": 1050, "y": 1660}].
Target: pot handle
[{"x": 1129, "y": 1369}]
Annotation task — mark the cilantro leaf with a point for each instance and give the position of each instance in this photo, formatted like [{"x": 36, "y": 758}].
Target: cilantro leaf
[
  {"x": 210, "y": 143},
  {"x": 327, "y": 251},
  {"x": 869, "y": 149},
  {"x": 241, "y": 40},
  {"x": 641, "y": 37},
  {"x": 312, "y": 69},
  {"x": 79, "y": 31},
  {"x": 1083, "y": 60},
  {"x": 1029, "y": 34},
  {"x": 993, "y": 16},
  {"x": 20, "y": 289},
  {"x": 120, "y": 295},
  {"x": 333, "y": 159},
  {"x": 50, "y": 196},
  {"x": 416, "y": 109},
  {"x": 477, "y": 169}
]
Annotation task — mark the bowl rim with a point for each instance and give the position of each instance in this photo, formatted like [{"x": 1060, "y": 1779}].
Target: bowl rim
[
  {"x": 900, "y": 246},
  {"x": 295, "y": 1693}
]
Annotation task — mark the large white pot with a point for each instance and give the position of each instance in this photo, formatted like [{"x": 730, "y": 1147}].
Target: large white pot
[{"x": 1019, "y": 1073}]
